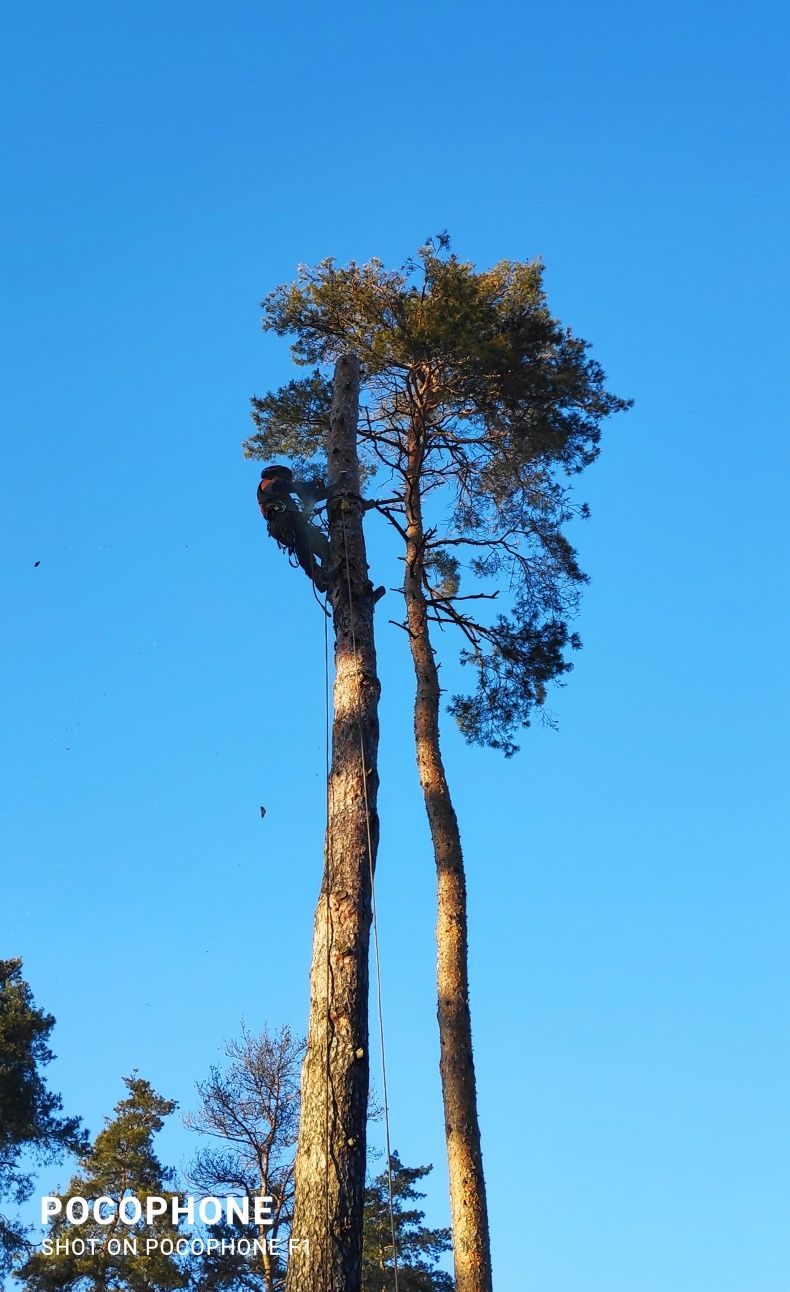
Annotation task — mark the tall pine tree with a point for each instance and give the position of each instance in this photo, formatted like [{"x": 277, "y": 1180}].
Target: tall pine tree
[
  {"x": 477, "y": 407},
  {"x": 329, "y": 1170}
]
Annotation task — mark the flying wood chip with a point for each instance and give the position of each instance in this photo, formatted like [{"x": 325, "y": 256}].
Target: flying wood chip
[{"x": 263, "y": 812}]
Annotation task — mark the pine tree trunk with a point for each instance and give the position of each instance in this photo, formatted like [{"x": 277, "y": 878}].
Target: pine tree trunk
[
  {"x": 469, "y": 1214},
  {"x": 330, "y": 1157},
  {"x": 267, "y": 1263}
]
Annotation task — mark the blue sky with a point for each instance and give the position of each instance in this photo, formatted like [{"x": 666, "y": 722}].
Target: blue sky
[{"x": 165, "y": 166}]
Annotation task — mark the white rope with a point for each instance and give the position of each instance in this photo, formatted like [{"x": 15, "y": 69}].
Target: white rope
[{"x": 377, "y": 955}]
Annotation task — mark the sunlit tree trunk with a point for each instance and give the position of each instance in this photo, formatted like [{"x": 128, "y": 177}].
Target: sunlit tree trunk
[
  {"x": 330, "y": 1158},
  {"x": 264, "y": 1232},
  {"x": 469, "y": 1214}
]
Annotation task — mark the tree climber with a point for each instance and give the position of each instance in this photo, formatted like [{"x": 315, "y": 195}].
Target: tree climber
[{"x": 288, "y": 520}]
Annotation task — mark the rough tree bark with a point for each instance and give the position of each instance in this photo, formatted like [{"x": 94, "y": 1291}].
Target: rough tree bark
[
  {"x": 469, "y": 1212},
  {"x": 330, "y": 1157}
]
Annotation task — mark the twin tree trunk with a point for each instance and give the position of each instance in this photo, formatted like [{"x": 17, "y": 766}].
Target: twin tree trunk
[
  {"x": 330, "y": 1156},
  {"x": 469, "y": 1213}
]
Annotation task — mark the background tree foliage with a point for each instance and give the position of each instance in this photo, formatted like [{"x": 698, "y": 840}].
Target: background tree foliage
[
  {"x": 250, "y": 1108},
  {"x": 419, "y": 1248},
  {"x": 121, "y": 1162},
  {"x": 30, "y": 1114}
]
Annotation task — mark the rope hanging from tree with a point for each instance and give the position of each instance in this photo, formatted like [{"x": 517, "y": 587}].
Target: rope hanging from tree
[{"x": 329, "y": 932}]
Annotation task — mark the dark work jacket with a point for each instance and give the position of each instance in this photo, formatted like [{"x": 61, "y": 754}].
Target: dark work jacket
[{"x": 274, "y": 492}]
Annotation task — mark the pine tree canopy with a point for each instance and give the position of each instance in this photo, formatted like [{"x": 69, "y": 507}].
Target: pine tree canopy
[
  {"x": 30, "y": 1120},
  {"x": 476, "y": 398},
  {"x": 419, "y": 1248},
  {"x": 122, "y": 1162}
]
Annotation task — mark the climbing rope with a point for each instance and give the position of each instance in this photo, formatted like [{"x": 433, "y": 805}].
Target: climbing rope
[
  {"x": 376, "y": 950},
  {"x": 328, "y": 937}
]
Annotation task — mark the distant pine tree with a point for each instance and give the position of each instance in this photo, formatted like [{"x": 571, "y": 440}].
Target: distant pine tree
[
  {"x": 30, "y": 1120},
  {"x": 419, "y": 1248},
  {"x": 121, "y": 1163}
]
